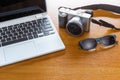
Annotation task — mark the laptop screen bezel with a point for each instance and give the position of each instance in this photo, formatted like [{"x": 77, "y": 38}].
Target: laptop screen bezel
[{"x": 22, "y": 11}]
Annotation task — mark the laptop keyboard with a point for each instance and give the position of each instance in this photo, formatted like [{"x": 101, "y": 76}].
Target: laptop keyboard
[{"x": 25, "y": 31}]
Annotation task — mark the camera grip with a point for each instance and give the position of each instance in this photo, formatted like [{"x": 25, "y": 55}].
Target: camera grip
[{"x": 62, "y": 20}]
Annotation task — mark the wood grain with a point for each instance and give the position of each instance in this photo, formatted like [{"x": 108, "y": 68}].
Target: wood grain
[{"x": 72, "y": 63}]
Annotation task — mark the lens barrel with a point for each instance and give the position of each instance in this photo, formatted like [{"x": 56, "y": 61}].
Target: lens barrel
[{"x": 75, "y": 27}]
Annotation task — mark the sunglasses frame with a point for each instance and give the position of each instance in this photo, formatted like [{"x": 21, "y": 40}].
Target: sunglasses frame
[{"x": 99, "y": 40}]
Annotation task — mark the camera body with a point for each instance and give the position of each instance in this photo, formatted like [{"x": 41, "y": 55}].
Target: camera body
[{"x": 76, "y": 22}]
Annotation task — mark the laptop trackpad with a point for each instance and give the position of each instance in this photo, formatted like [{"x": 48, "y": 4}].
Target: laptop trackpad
[{"x": 19, "y": 52}]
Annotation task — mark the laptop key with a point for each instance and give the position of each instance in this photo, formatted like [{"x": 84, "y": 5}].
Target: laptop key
[
  {"x": 3, "y": 40},
  {"x": 31, "y": 30},
  {"x": 16, "y": 26},
  {"x": 14, "y": 38},
  {"x": 39, "y": 31},
  {"x": 13, "y": 31},
  {"x": 41, "y": 34},
  {"x": 35, "y": 35},
  {"x": 15, "y": 41},
  {"x": 3, "y": 33},
  {"x": 10, "y": 35},
  {"x": 26, "y": 31},
  {"x": 4, "y": 28},
  {"x": 0, "y": 30},
  {"x": 0, "y": 37},
  {"x": 15, "y": 34},
  {"x": 46, "y": 33},
  {"x": 24, "y": 35},
  {"x": 8, "y": 39},
  {"x": 51, "y": 32},
  {"x": 8, "y": 32},
  {"x": 28, "y": 23},
  {"x": 10, "y": 27},
  {"x": 30, "y": 37},
  {"x": 20, "y": 32},
  {"x": 5, "y": 36},
  {"x": 19, "y": 36},
  {"x": 34, "y": 22},
  {"x": 47, "y": 26}
]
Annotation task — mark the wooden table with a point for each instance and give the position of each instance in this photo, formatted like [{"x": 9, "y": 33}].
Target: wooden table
[{"x": 72, "y": 63}]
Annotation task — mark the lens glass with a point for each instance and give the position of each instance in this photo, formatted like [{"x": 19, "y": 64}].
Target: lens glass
[
  {"x": 108, "y": 40},
  {"x": 88, "y": 44},
  {"x": 74, "y": 29}
]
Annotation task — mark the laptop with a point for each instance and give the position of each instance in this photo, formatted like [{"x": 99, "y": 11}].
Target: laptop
[{"x": 26, "y": 31}]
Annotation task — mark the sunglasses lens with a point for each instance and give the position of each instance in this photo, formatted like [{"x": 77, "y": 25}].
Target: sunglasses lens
[
  {"x": 108, "y": 40},
  {"x": 88, "y": 44}
]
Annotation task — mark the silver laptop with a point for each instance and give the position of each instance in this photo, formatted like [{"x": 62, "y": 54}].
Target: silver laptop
[{"x": 26, "y": 31}]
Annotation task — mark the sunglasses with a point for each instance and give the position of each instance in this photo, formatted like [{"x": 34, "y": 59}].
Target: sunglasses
[{"x": 91, "y": 43}]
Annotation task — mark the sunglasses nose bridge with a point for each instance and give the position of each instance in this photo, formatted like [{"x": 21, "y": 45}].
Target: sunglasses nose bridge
[{"x": 98, "y": 39}]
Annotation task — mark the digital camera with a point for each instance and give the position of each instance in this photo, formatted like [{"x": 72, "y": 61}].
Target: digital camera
[{"x": 76, "y": 22}]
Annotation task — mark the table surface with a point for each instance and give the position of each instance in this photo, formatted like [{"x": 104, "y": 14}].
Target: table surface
[{"x": 72, "y": 63}]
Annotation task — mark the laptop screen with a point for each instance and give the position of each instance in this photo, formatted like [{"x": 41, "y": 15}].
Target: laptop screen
[{"x": 10, "y": 9}]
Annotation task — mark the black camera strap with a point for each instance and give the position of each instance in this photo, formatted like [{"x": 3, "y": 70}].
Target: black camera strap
[
  {"x": 112, "y": 8},
  {"x": 107, "y": 7},
  {"x": 104, "y": 23}
]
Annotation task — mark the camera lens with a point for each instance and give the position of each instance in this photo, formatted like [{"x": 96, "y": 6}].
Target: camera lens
[
  {"x": 74, "y": 26},
  {"x": 74, "y": 29}
]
